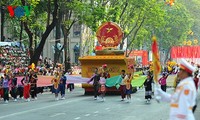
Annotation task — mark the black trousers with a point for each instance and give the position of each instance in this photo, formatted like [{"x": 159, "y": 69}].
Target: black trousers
[
  {"x": 5, "y": 92},
  {"x": 164, "y": 87},
  {"x": 62, "y": 90},
  {"x": 70, "y": 86},
  {"x": 20, "y": 90},
  {"x": 33, "y": 91},
  {"x": 96, "y": 90},
  {"x": 13, "y": 92}
]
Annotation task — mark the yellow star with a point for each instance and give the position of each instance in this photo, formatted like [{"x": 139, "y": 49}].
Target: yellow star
[{"x": 108, "y": 29}]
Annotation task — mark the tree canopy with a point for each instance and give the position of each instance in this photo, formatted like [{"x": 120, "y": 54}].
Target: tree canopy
[{"x": 139, "y": 20}]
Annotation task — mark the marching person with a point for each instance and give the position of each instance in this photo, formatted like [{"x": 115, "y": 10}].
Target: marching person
[
  {"x": 70, "y": 86},
  {"x": 55, "y": 81},
  {"x": 6, "y": 88},
  {"x": 95, "y": 78},
  {"x": 1, "y": 87},
  {"x": 128, "y": 78},
  {"x": 102, "y": 91},
  {"x": 26, "y": 83},
  {"x": 33, "y": 81},
  {"x": 20, "y": 90},
  {"x": 183, "y": 100},
  {"x": 163, "y": 81},
  {"x": 148, "y": 87},
  {"x": 105, "y": 71},
  {"x": 122, "y": 85},
  {"x": 62, "y": 86},
  {"x": 14, "y": 87}
]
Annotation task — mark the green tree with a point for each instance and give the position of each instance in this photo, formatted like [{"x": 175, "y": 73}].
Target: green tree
[
  {"x": 178, "y": 23},
  {"x": 193, "y": 7},
  {"x": 35, "y": 54},
  {"x": 33, "y": 25}
]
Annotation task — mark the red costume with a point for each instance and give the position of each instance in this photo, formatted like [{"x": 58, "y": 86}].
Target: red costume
[{"x": 26, "y": 83}]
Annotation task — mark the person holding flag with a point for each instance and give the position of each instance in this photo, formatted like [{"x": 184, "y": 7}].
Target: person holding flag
[{"x": 183, "y": 100}]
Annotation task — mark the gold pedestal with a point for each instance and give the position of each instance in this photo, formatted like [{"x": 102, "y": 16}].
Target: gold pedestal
[{"x": 115, "y": 63}]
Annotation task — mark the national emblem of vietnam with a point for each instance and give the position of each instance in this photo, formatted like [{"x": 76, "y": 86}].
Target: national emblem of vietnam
[{"x": 109, "y": 34}]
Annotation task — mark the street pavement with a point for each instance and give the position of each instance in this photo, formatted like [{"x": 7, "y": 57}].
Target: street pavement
[{"x": 78, "y": 106}]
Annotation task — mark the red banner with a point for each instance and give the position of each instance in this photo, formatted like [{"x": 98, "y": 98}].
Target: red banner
[
  {"x": 143, "y": 54},
  {"x": 185, "y": 52}
]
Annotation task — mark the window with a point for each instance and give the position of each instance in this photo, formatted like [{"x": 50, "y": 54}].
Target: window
[{"x": 76, "y": 30}]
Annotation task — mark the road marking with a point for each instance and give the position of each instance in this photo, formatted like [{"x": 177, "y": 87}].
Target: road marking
[
  {"x": 96, "y": 112},
  {"x": 57, "y": 114},
  {"x": 77, "y": 118},
  {"x": 41, "y": 108},
  {"x": 141, "y": 105},
  {"x": 87, "y": 115}
]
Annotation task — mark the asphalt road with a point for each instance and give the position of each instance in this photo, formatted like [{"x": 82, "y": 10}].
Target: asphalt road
[{"x": 77, "y": 106}]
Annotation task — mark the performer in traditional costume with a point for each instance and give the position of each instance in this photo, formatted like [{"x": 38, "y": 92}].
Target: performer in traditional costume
[
  {"x": 14, "y": 87},
  {"x": 6, "y": 88},
  {"x": 105, "y": 72},
  {"x": 1, "y": 87},
  {"x": 95, "y": 78},
  {"x": 20, "y": 89},
  {"x": 55, "y": 81},
  {"x": 102, "y": 91},
  {"x": 183, "y": 100},
  {"x": 33, "y": 82},
  {"x": 128, "y": 78},
  {"x": 26, "y": 82},
  {"x": 62, "y": 86},
  {"x": 163, "y": 81},
  {"x": 122, "y": 85},
  {"x": 148, "y": 87}
]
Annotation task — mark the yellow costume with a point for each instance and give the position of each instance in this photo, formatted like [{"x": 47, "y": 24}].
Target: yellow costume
[{"x": 56, "y": 80}]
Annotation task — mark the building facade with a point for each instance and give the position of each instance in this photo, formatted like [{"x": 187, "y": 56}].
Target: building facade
[{"x": 74, "y": 37}]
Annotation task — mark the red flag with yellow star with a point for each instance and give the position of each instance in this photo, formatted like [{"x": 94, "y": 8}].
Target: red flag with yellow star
[{"x": 156, "y": 60}]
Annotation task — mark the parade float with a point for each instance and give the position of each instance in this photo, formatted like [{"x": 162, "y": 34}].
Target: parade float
[{"x": 109, "y": 36}]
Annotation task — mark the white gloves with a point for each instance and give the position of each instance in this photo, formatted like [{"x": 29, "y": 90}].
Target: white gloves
[{"x": 161, "y": 95}]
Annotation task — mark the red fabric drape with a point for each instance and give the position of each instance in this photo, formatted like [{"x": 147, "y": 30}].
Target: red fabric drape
[
  {"x": 185, "y": 52},
  {"x": 144, "y": 58}
]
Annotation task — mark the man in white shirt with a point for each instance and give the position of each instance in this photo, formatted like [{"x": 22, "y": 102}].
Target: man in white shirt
[{"x": 183, "y": 99}]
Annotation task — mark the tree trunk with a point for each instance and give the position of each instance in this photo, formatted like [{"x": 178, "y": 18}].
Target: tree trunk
[
  {"x": 35, "y": 57},
  {"x": 66, "y": 45},
  {"x": 48, "y": 12},
  {"x": 58, "y": 36},
  {"x": 65, "y": 54},
  {"x": 30, "y": 36}
]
